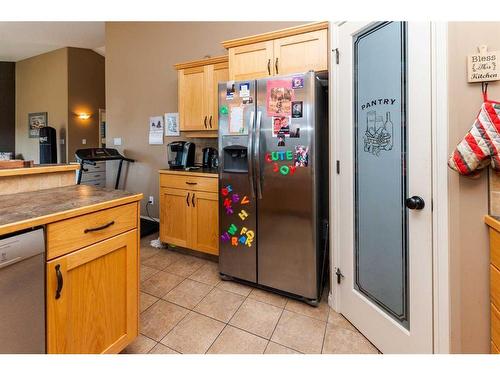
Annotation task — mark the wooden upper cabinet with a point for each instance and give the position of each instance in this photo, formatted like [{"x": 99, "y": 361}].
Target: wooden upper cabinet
[
  {"x": 198, "y": 82},
  {"x": 301, "y": 53},
  {"x": 251, "y": 61},
  {"x": 92, "y": 297},
  {"x": 293, "y": 50}
]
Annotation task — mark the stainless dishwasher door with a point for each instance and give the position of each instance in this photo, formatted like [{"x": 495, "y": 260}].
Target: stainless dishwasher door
[{"x": 22, "y": 293}]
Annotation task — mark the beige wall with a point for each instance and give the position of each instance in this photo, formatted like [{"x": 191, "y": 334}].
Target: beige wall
[
  {"x": 85, "y": 94},
  {"x": 41, "y": 86},
  {"x": 141, "y": 82},
  {"x": 468, "y": 198}
]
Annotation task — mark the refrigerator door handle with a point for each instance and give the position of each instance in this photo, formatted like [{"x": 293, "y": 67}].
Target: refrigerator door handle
[
  {"x": 257, "y": 155},
  {"x": 250, "y": 153}
]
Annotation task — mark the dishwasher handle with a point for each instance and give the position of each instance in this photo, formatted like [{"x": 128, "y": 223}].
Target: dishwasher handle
[{"x": 60, "y": 281}]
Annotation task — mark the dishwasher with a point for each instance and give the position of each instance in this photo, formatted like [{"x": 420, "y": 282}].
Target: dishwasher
[{"x": 22, "y": 292}]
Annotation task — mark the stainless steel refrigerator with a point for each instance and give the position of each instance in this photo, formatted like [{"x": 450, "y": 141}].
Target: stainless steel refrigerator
[{"x": 273, "y": 182}]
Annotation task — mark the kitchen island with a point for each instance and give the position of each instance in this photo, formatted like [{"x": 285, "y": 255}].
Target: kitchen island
[{"x": 92, "y": 260}]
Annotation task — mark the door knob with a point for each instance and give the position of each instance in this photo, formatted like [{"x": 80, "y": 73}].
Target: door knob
[{"x": 415, "y": 203}]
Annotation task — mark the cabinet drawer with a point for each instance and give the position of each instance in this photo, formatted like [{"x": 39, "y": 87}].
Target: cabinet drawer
[
  {"x": 91, "y": 176},
  {"x": 189, "y": 182},
  {"x": 68, "y": 235},
  {"x": 495, "y": 325},
  {"x": 495, "y": 285},
  {"x": 495, "y": 248}
]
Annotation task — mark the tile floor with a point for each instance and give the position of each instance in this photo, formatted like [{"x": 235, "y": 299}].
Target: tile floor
[{"x": 186, "y": 308}]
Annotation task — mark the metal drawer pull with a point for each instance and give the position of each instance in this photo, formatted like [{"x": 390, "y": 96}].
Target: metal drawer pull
[
  {"x": 276, "y": 66},
  {"x": 192, "y": 200},
  {"x": 210, "y": 121},
  {"x": 269, "y": 66},
  {"x": 191, "y": 183},
  {"x": 60, "y": 281},
  {"x": 99, "y": 228},
  {"x": 187, "y": 199},
  {"x": 205, "y": 122}
]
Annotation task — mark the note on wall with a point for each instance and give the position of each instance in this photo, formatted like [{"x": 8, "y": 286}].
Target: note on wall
[{"x": 236, "y": 120}]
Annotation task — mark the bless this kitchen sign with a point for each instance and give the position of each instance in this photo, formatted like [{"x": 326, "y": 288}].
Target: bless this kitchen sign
[{"x": 483, "y": 66}]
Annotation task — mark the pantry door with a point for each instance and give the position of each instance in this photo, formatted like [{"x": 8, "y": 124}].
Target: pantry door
[{"x": 384, "y": 228}]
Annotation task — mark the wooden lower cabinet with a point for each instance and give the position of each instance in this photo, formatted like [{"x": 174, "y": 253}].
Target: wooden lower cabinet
[
  {"x": 95, "y": 310},
  {"x": 174, "y": 216},
  {"x": 205, "y": 222}
]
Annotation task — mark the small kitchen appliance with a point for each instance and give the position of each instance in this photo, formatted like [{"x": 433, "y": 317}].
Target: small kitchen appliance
[
  {"x": 181, "y": 154},
  {"x": 209, "y": 157}
]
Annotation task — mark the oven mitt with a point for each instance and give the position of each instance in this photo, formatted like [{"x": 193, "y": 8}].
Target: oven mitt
[{"x": 481, "y": 144}]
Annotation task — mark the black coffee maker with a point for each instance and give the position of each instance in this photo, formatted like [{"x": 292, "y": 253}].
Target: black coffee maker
[
  {"x": 181, "y": 154},
  {"x": 209, "y": 157}
]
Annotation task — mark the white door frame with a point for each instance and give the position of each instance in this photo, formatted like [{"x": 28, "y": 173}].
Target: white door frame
[{"x": 440, "y": 238}]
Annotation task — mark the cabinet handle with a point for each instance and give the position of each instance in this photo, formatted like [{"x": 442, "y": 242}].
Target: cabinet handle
[
  {"x": 192, "y": 200},
  {"x": 99, "y": 228},
  {"x": 187, "y": 199},
  {"x": 60, "y": 281},
  {"x": 269, "y": 66},
  {"x": 276, "y": 66},
  {"x": 210, "y": 121},
  {"x": 205, "y": 122},
  {"x": 191, "y": 183}
]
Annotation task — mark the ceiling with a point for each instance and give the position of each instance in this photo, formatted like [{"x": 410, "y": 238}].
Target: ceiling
[{"x": 20, "y": 40}]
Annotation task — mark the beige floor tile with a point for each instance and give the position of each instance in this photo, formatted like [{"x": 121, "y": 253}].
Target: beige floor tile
[
  {"x": 141, "y": 345},
  {"x": 299, "y": 332},
  {"x": 268, "y": 297},
  {"x": 319, "y": 312},
  {"x": 160, "y": 318},
  {"x": 161, "y": 283},
  {"x": 345, "y": 341},
  {"x": 235, "y": 341},
  {"x": 220, "y": 305},
  {"x": 194, "y": 334},
  {"x": 231, "y": 286},
  {"x": 256, "y": 317},
  {"x": 208, "y": 274},
  {"x": 162, "y": 259},
  {"x": 145, "y": 301},
  {"x": 185, "y": 266},
  {"x": 188, "y": 293},
  {"x": 146, "y": 272},
  {"x": 338, "y": 320},
  {"x": 273, "y": 348},
  {"x": 162, "y": 349}
]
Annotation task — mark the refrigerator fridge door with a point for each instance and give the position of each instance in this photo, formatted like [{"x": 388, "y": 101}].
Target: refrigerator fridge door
[
  {"x": 237, "y": 205},
  {"x": 285, "y": 178}
]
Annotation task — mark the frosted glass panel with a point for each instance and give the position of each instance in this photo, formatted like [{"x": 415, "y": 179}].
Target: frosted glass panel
[{"x": 381, "y": 269}]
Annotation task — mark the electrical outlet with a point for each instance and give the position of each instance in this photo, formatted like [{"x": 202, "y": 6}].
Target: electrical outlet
[
  {"x": 151, "y": 200},
  {"x": 84, "y": 141}
]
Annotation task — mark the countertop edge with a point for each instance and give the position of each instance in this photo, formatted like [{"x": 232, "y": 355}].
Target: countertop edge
[
  {"x": 38, "y": 170},
  {"x": 46, "y": 219},
  {"x": 492, "y": 222},
  {"x": 188, "y": 173}
]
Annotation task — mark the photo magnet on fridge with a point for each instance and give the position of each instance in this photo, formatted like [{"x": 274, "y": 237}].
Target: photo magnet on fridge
[
  {"x": 281, "y": 140},
  {"x": 296, "y": 109},
  {"x": 279, "y": 98},
  {"x": 294, "y": 132},
  {"x": 281, "y": 126},
  {"x": 244, "y": 90},
  {"x": 230, "y": 89},
  {"x": 301, "y": 158},
  {"x": 297, "y": 82},
  {"x": 248, "y": 100}
]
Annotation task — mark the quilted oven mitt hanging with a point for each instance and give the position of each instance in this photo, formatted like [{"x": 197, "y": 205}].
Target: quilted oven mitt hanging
[{"x": 481, "y": 144}]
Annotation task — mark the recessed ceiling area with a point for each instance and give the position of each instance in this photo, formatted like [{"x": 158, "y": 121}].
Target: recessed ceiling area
[{"x": 20, "y": 40}]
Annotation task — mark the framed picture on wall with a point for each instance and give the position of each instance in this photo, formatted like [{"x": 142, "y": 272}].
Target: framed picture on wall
[{"x": 36, "y": 121}]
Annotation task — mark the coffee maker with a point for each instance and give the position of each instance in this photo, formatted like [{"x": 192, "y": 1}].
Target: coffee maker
[
  {"x": 209, "y": 157},
  {"x": 180, "y": 154}
]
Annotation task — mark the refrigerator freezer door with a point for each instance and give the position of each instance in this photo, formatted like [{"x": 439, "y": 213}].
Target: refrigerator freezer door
[
  {"x": 287, "y": 251},
  {"x": 237, "y": 204}
]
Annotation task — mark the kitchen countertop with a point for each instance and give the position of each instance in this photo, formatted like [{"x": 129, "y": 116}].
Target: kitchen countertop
[
  {"x": 24, "y": 210},
  {"x": 39, "y": 168},
  {"x": 493, "y": 222},
  {"x": 202, "y": 172}
]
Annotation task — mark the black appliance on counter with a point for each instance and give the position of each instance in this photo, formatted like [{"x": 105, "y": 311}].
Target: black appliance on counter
[
  {"x": 181, "y": 154},
  {"x": 48, "y": 145},
  {"x": 210, "y": 156}
]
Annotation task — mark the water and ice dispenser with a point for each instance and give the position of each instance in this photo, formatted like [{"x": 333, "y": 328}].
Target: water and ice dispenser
[{"x": 235, "y": 154}]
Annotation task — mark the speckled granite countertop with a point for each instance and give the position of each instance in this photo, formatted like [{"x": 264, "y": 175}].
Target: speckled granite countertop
[{"x": 24, "y": 210}]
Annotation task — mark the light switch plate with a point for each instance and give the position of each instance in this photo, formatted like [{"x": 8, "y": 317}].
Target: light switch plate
[
  {"x": 117, "y": 141},
  {"x": 84, "y": 141}
]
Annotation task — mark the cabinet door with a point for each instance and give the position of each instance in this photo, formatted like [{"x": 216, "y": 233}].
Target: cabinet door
[
  {"x": 301, "y": 53},
  {"x": 192, "y": 99},
  {"x": 251, "y": 61},
  {"x": 96, "y": 311},
  {"x": 205, "y": 222},
  {"x": 174, "y": 216},
  {"x": 215, "y": 73}
]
